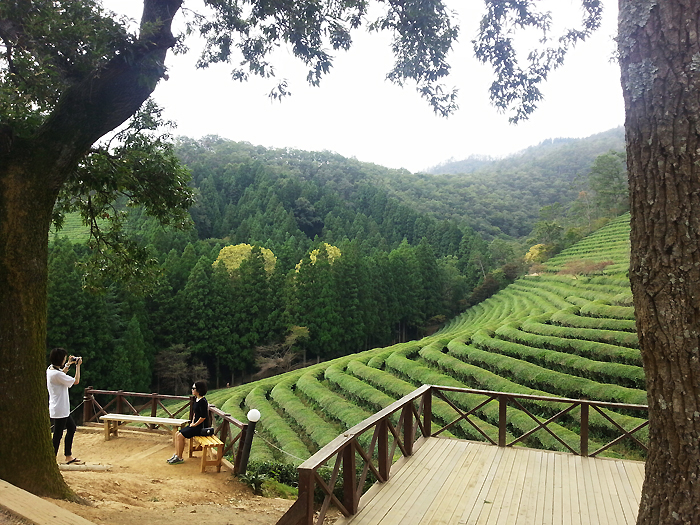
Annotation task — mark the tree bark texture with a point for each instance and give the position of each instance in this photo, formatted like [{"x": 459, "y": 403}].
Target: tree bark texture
[
  {"x": 32, "y": 171},
  {"x": 659, "y": 56}
]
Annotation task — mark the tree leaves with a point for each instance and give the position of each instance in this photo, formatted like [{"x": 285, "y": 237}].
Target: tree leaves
[{"x": 516, "y": 88}]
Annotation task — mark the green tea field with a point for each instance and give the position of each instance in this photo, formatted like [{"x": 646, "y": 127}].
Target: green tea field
[{"x": 568, "y": 331}]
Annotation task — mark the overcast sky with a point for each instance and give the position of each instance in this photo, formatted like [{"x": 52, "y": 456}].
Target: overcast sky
[{"x": 357, "y": 113}]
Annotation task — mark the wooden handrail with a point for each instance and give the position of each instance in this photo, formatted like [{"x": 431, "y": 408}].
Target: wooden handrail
[{"x": 346, "y": 447}]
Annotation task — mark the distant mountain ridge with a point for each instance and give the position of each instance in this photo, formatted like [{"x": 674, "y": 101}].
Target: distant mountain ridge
[
  {"x": 614, "y": 137},
  {"x": 499, "y": 197}
]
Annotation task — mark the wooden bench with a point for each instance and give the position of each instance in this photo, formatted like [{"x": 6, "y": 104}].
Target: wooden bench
[
  {"x": 112, "y": 421},
  {"x": 209, "y": 445}
]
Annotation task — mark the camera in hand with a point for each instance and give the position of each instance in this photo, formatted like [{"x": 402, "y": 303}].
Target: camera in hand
[{"x": 74, "y": 359}]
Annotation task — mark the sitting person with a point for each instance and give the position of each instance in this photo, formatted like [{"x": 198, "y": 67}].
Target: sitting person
[{"x": 200, "y": 420}]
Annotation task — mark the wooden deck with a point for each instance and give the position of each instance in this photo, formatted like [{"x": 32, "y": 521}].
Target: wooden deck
[{"x": 450, "y": 481}]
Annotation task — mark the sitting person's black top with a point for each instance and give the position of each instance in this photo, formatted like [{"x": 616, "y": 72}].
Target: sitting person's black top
[{"x": 201, "y": 410}]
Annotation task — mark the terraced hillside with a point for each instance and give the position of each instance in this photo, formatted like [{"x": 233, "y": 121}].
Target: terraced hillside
[
  {"x": 73, "y": 228},
  {"x": 567, "y": 332}
]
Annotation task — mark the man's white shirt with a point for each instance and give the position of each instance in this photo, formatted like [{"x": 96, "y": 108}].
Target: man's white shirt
[{"x": 58, "y": 383}]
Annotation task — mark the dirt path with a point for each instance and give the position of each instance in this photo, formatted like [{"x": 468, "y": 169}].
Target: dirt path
[{"x": 142, "y": 488}]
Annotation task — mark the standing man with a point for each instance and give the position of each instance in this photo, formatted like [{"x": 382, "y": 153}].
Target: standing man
[{"x": 58, "y": 382}]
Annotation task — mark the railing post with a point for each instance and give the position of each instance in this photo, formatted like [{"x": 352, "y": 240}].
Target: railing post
[
  {"x": 306, "y": 494},
  {"x": 119, "y": 401},
  {"x": 427, "y": 412},
  {"x": 502, "y": 414},
  {"x": 383, "y": 449},
  {"x": 253, "y": 418},
  {"x": 154, "y": 407},
  {"x": 239, "y": 452},
  {"x": 224, "y": 429},
  {"x": 87, "y": 404},
  {"x": 350, "y": 498},
  {"x": 408, "y": 428},
  {"x": 584, "y": 428}
]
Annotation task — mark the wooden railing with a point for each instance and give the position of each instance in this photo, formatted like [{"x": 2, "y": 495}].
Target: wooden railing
[
  {"x": 226, "y": 427},
  {"x": 413, "y": 426}
]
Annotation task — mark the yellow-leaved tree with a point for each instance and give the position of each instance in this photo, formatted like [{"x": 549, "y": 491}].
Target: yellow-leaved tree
[
  {"x": 332, "y": 251},
  {"x": 233, "y": 256}
]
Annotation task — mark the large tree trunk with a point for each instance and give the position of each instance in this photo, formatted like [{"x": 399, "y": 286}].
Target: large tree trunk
[
  {"x": 32, "y": 171},
  {"x": 660, "y": 64},
  {"x": 25, "y": 214}
]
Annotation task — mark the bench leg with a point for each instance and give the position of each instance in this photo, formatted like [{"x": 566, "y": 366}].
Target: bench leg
[
  {"x": 203, "y": 463},
  {"x": 111, "y": 427},
  {"x": 219, "y": 456}
]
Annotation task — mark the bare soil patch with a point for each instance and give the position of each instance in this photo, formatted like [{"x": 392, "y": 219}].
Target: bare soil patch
[{"x": 141, "y": 487}]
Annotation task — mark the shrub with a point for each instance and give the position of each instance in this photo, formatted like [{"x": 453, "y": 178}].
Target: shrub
[{"x": 583, "y": 267}]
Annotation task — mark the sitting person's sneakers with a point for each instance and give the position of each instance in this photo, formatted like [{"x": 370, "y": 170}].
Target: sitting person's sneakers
[
  {"x": 171, "y": 458},
  {"x": 175, "y": 460}
]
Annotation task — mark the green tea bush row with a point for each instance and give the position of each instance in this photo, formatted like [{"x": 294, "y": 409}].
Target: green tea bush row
[
  {"x": 609, "y": 342},
  {"x": 319, "y": 430},
  {"x": 518, "y": 421},
  {"x": 384, "y": 381},
  {"x": 423, "y": 375},
  {"x": 552, "y": 351},
  {"x": 549, "y": 380},
  {"x": 611, "y": 280},
  {"x": 604, "y": 310},
  {"x": 564, "y": 290},
  {"x": 552, "y": 298},
  {"x": 538, "y": 302},
  {"x": 377, "y": 360},
  {"x": 570, "y": 363},
  {"x": 623, "y": 299},
  {"x": 454, "y": 363},
  {"x": 259, "y": 450},
  {"x": 356, "y": 390},
  {"x": 569, "y": 318},
  {"x": 330, "y": 403},
  {"x": 274, "y": 426}
]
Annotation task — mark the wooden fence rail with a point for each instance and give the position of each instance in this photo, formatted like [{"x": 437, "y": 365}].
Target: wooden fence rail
[
  {"x": 414, "y": 425},
  {"x": 226, "y": 427}
]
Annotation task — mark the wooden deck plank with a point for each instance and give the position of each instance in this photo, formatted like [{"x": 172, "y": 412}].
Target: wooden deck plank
[
  {"x": 562, "y": 503},
  {"x": 502, "y": 483},
  {"x": 595, "y": 502},
  {"x": 620, "y": 481},
  {"x": 464, "y": 486},
  {"x": 478, "y": 496},
  {"x": 547, "y": 516},
  {"x": 378, "y": 508},
  {"x": 610, "y": 507},
  {"x": 583, "y": 515},
  {"x": 375, "y": 509},
  {"x": 456, "y": 482},
  {"x": 635, "y": 472},
  {"x": 443, "y": 506},
  {"x": 530, "y": 498},
  {"x": 509, "y": 512},
  {"x": 424, "y": 492}
]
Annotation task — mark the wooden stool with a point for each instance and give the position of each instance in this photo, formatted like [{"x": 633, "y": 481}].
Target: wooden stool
[{"x": 207, "y": 444}]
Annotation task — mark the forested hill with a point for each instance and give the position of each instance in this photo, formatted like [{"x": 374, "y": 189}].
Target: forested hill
[
  {"x": 501, "y": 197},
  {"x": 504, "y": 196}
]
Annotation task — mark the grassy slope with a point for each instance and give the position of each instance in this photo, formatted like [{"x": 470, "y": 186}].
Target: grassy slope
[{"x": 546, "y": 334}]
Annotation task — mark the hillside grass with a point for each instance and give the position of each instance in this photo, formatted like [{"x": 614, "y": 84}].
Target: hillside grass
[{"x": 553, "y": 334}]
